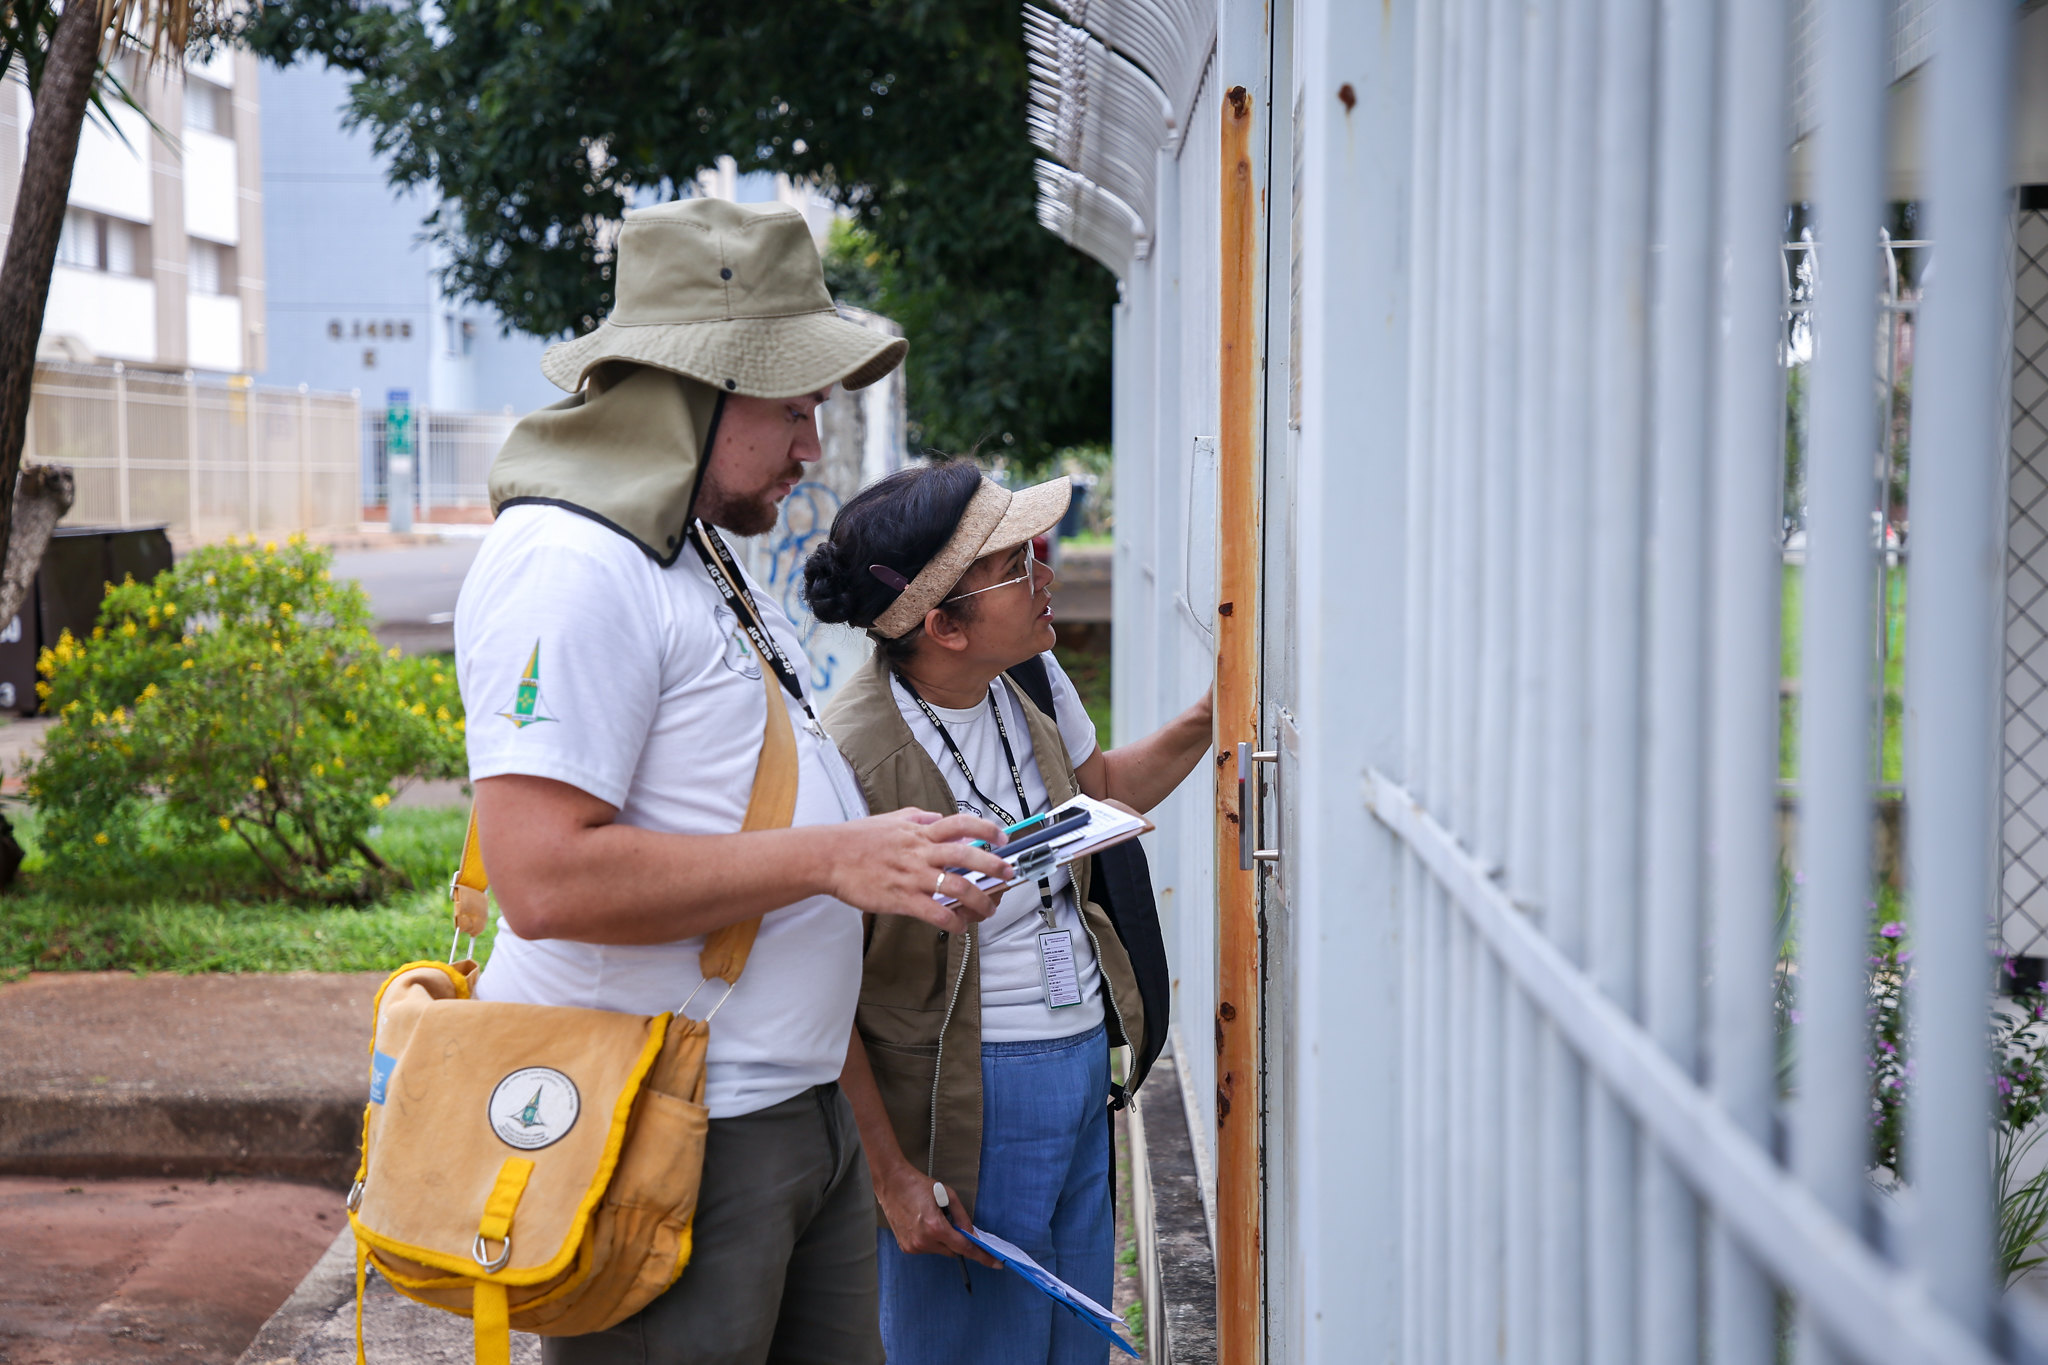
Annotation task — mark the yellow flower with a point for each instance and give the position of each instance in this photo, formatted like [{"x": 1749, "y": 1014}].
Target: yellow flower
[
  {"x": 100, "y": 838},
  {"x": 338, "y": 763},
  {"x": 381, "y": 800},
  {"x": 259, "y": 783},
  {"x": 99, "y": 632},
  {"x": 148, "y": 692},
  {"x": 109, "y": 592},
  {"x": 276, "y": 647},
  {"x": 99, "y": 718},
  {"x": 285, "y": 607},
  {"x": 269, "y": 546},
  {"x": 170, "y": 609},
  {"x": 296, "y": 538},
  {"x": 419, "y": 708},
  {"x": 152, "y": 616},
  {"x": 441, "y": 714},
  {"x": 298, "y": 732},
  {"x": 46, "y": 662},
  {"x": 226, "y": 823},
  {"x": 120, "y": 716},
  {"x": 248, "y": 561},
  {"x": 393, "y": 651},
  {"x": 319, "y": 770},
  {"x": 440, "y": 678},
  {"x": 349, "y": 716},
  {"x": 461, "y": 724},
  {"x": 209, "y": 580},
  {"x": 128, "y": 629},
  {"x": 43, "y": 690},
  {"x": 186, "y": 664}
]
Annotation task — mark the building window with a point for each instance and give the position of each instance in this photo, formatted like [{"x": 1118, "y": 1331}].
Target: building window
[
  {"x": 210, "y": 267},
  {"x": 93, "y": 241},
  {"x": 209, "y": 108}
]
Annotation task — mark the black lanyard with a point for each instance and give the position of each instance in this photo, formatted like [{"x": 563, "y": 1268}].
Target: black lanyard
[
  {"x": 1016, "y": 777},
  {"x": 725, "y": 575}
]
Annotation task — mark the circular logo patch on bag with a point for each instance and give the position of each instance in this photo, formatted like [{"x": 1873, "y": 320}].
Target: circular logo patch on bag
[{"x": 534, "y": 1107}]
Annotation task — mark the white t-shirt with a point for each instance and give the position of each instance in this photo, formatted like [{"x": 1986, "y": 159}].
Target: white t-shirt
[
  {"x": 1013, "y": 1007},
  {"x": 581, "y": 659}
]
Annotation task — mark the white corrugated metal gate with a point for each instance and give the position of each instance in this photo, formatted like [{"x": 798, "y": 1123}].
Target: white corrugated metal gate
[{"x": 1519, "y": 416}]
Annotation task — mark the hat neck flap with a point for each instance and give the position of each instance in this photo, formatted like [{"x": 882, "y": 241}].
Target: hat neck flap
[{"x": 626, "y": 451}]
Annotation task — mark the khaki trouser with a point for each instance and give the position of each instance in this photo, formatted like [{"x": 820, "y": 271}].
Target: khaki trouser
[{"x": 784, "y": 1267}]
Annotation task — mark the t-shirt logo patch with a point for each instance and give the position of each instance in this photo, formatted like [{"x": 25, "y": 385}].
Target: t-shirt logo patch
[
  {"x": 526, "y": 708},
  {"x": 739, "y": 655},
  {"x": 534, "y": 1107}
]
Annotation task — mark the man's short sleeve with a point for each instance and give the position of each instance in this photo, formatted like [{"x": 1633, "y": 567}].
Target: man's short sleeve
[
  {"x": 559, "y": 652},
  {"x": 1077, "y": 728}
]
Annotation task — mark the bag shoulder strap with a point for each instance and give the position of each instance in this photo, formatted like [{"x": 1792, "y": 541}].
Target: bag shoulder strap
[
  {"x": 1037, "y": 684},
  {"x": 770, "y": 805}
]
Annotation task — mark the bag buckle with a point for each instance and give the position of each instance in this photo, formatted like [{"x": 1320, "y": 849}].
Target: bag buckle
[
  {"x": 491, "y": 1267},
  {"x": 355, "y": 1196},
  {"x": 730, "y": 987}
]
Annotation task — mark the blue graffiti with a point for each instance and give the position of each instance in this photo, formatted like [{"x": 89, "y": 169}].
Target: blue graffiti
[{"x": 806, "y": 518}]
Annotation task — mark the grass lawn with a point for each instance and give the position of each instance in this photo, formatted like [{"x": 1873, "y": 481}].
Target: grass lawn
[
  {"x": 201, "y": 916},
  {"x": 1088, "y": 670},
  {"x": 1891, "y": 766}
]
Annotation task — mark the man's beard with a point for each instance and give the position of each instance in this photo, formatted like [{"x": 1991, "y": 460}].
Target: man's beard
[{"x": 742, "y": 514}]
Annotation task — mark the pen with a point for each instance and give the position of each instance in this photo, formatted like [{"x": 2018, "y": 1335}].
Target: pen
[{"x": 946, "y": 1207}]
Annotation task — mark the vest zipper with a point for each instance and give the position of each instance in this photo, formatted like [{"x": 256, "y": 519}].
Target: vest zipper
[
  {"x": 939, "y": 1061},
  {"x": 1122, "y": 1094}
]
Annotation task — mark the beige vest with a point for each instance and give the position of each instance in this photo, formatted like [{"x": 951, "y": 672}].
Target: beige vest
[{"x": 920, "y": 995}]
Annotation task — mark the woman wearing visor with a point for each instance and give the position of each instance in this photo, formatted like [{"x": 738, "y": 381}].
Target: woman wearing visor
[{"x": 981, "y": 1060}]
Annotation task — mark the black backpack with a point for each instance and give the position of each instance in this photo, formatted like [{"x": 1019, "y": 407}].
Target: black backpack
[{"x": 1121, "y": 882}]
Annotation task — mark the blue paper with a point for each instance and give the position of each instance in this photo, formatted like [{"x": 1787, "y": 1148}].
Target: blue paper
[{"x": 1053, "y": 1287}]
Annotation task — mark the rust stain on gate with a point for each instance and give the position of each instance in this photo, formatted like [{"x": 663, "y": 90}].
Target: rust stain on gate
[{"x": 1238, "y": 1222}]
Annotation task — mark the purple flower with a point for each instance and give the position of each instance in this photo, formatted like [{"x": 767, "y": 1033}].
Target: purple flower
[
  {"x": 2004, "y": 1086},
  {"x": 1892, "y": 929}
]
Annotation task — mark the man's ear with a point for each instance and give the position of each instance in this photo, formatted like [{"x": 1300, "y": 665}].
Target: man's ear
[{"x": 942, "y": 630}]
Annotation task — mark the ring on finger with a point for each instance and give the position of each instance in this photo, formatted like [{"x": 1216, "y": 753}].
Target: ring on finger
[{"x": 939, "y": 887}]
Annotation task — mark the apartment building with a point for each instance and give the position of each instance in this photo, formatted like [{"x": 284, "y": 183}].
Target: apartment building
[{"x": 161, "y": 263}]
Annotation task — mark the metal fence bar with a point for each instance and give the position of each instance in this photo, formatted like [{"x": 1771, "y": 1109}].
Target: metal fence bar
[
  {"x": 1564, "y": 1283},
  {"x": 1836, "y": 716},
  {"x": 1675, "y": 704},
  {"x": 1954, "y": 656},
  {"x": 1530, "y": 1102},
  {"x": 1743, "y": 662},
  {"x": 1874, "y": 1311},
  {"x": 1613, "y": 886},
  {"x": 1419, "y": 1221}
]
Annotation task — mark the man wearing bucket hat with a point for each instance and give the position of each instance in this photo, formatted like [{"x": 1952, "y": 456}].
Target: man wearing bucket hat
[
  {"x": 985, "y": 1058},
  {"x": 613, "y": 678}
]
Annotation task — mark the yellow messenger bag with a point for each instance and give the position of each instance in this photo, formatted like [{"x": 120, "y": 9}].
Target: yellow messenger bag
[{"x": 534, "y": 1166}]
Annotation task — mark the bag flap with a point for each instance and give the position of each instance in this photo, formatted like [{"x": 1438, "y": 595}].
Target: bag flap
[{"x": 461, "y": 1087}]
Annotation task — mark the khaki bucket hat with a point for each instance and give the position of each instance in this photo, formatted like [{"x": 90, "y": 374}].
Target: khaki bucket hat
[
  {"x": 995, "y": 520},
  {"x": 731, "y": 295}
]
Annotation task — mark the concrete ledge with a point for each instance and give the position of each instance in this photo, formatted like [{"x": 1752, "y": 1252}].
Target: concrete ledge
[
  {"x": 1177, "y": 1263},
  {"x": 307, "y": 1137}
]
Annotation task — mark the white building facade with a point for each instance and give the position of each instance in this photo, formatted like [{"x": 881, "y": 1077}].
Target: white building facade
[{"x": 161, "y": 263}]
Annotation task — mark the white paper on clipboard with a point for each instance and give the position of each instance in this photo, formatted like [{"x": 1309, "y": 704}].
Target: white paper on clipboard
[{"x": 1107, "y": 826}]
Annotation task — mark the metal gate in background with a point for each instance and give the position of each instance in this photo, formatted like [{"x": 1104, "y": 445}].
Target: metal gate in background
[{"x": 1603, "y": 1161}]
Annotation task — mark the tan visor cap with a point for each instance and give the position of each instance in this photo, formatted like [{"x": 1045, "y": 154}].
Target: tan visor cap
[{"x": 995, "y": 520}]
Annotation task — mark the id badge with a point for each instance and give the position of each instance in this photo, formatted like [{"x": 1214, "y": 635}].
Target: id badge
[{"x": 1056, "y": 966}]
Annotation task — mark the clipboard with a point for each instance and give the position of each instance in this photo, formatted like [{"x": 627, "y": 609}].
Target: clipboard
[
  {"x": 1016, "y": 1259},
  {"x": 1107, "y": 827}
]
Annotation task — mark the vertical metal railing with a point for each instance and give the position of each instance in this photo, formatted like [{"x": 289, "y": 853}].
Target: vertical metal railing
[{"x": 1596, "y": 1167}]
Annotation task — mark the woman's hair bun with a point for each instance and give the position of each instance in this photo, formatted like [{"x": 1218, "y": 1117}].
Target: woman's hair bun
[{"x": 826, "y": 586}]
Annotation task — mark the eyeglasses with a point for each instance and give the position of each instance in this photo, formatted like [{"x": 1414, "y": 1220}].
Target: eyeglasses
[{"x": 1029, "y": 575}]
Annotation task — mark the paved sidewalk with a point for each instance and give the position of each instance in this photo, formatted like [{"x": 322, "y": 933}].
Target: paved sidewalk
[{"x": 122, "y": 1272}]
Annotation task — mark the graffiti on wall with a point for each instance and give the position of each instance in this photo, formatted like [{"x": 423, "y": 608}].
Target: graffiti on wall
[{"x": 806, "y": 519}]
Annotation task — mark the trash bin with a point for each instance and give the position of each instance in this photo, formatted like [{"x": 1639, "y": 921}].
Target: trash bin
[{"x": 66, "y": 595}]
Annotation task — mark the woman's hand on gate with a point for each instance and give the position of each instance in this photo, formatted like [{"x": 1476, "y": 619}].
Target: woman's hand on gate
[
  {"x": 920, "y": 1225},
  {"x": 896, "y": 864}
]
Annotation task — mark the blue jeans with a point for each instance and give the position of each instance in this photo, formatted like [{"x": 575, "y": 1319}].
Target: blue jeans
[{"x": 1045, "y": 1186}]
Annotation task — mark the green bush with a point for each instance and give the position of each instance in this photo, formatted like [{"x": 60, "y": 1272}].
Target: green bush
[{"x": 241, "y": 691}]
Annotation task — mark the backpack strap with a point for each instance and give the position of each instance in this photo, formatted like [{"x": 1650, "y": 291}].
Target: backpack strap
[
  {"x": 1036, "y": 684},
  {"x": 771, "y": 805}
]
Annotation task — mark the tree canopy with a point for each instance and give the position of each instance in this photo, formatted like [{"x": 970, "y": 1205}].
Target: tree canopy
[{"x": 538, "y": 122}]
